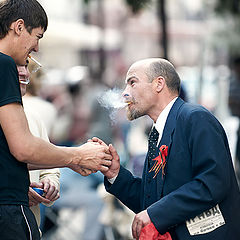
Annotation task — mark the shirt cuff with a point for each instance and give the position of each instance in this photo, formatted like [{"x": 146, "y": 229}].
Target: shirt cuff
[{"x": 112, "y": 180}]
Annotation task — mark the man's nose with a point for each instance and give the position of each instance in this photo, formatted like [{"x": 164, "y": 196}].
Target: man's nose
[{"x": 125, "y": 93}]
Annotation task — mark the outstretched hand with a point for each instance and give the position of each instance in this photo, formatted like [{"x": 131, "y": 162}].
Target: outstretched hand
[
  {"x": 92, "y": 157},
  {"x": 113, "y": 170}
]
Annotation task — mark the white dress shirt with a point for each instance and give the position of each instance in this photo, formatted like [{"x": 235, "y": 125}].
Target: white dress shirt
[
  {"x": 162, "y": 118},
  {"x": 159, "y": 125}
]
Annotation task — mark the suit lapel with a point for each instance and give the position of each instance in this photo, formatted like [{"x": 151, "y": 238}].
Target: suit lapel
[{"x": 167, "y": 140}]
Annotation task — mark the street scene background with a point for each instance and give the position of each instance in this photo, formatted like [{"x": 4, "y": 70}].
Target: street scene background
[{"x": 86, "y": 51}]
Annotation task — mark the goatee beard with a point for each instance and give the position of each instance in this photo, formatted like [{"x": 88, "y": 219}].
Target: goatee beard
[{"x": 132, "y": 115}]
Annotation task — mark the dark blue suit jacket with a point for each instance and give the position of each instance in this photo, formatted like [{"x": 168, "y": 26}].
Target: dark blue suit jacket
[{"x": 199, "y": 175}]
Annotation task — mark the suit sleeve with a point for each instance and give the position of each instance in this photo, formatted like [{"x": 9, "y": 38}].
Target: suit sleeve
[
  {"x": 211, "y": 163},
  {"x": 127, "y": 189}
]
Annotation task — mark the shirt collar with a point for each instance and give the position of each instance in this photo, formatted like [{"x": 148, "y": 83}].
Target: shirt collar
[{"x": 162, "y": 118}]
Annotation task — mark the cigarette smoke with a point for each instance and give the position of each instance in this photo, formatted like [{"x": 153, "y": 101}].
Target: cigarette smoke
[{"x": 113, "y": 101}]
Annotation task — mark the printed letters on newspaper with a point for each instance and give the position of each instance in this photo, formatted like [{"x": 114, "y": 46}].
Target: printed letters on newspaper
[{"x": 206, "y": 221}]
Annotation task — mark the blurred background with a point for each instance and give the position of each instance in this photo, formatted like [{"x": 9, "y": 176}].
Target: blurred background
[{"x": 87, "y": 50}]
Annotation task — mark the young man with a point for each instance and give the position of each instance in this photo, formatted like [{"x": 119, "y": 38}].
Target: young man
[
  {"x": 22, "y": 25},
  {"x": 188, "y": 186}
]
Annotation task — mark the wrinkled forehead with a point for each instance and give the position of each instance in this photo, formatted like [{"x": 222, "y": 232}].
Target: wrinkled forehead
[{"x": 136, "y": 70}]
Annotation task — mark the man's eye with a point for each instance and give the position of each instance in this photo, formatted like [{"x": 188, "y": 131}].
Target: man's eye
[{"x": 132, "y": 82}]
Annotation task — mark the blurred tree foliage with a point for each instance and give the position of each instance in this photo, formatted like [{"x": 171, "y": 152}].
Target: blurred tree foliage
[
  {"x": 137, "y": 5},
  {"x": 228, "y": 6},
  {"x": 230, "y": 11}
]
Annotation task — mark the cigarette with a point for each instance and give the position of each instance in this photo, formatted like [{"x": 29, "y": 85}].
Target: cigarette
[
  {"x": 127, "y": 104},
  {"x": 34, "y": 60}
]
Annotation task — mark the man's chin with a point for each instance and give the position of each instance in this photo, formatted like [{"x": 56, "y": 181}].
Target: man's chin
[
  {"x": 132, "y": 116},
  {"x": 21, "y": 62}
]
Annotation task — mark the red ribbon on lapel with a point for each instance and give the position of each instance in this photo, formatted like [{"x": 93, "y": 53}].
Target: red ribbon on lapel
[{"x": 160, "y": 161}]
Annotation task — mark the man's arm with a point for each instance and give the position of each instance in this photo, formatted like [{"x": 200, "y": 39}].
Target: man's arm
[{"x": 29, "y": 149}]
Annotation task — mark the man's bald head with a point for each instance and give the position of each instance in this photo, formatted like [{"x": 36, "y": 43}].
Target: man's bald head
[{"x": 155, "y": 67}]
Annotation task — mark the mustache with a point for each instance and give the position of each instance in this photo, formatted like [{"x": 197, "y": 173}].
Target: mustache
[{"x": 130, "y": 100}]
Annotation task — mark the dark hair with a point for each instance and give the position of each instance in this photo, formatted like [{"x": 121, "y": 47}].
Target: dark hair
[
  {"x": 165, "y": 69},
  {"x": 30, "y": 11}
]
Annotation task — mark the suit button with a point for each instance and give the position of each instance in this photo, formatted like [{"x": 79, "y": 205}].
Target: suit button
[
  {"x": 148, "y": 196},
  {"x": 149, "y": 180}
]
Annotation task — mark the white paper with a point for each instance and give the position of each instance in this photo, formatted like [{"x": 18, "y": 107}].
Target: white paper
[{"x": 206, "y": 222}]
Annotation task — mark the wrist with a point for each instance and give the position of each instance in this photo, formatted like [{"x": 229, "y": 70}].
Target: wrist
[
  {"x": 74, "y": 156},
  {"x": 112, "y": 180}
]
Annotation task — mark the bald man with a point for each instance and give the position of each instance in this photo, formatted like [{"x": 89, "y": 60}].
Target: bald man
[{"x": 188, "y": 185}]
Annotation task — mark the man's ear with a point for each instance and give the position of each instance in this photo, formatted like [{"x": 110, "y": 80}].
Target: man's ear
[
  {"x": 160, "y": 81},
  {"x": 18, "y": 26}
]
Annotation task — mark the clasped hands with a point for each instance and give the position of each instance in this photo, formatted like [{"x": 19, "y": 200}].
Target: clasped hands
[{"x": 97, "y": 156}]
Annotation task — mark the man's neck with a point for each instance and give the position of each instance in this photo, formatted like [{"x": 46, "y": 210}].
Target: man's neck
[{"x": 161, "y": 106}]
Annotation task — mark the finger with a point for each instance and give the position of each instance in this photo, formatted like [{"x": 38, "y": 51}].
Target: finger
[
  {"x": 107, "y": 163},
  {"x": 134, "y": 227},
  {"x": 56, "y": 197},
  {"x": 33, "y": 194},
  {"x": 37, "y": 198},
  {"x": 46, "y": 187},
  {"x": 42, "y": 199},
  {"x": 107, "y": 156},
  {"x": 50, "y": 191},
  {"x": 35, "y": 184},
  {"x": 81, "y": 171},
  {"x": 85, "y": 172},
  {"x": 113, "y": 152},
  {"x": 34, "y": 197},
  {"x": 103, "y": 168},
  {"x": 53, "y": 195},
  {"x": 138, "y": 229},
  {"x": 95, "y": 139},
  {"x": 46, "y": 201},
  {"x": 107, "y": 151}
]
